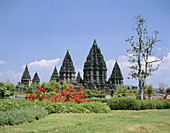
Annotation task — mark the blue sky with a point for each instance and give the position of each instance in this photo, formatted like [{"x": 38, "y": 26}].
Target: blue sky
[{"x": 39, "y": 32}]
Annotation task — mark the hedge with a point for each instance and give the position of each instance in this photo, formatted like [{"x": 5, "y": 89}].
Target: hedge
[
  {"x": 58, "y": 107},
  {"x": 25, "y": 114},
  {"x": 123, "y": 103}
]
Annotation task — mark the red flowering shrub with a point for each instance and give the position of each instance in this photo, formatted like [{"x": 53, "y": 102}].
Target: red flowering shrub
[
  {"x": 66, "y": 95},
  {"x": 165, "y": 97}
]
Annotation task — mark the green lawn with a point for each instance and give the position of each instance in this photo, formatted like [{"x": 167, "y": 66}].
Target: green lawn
[{"x": 148, "y": 121}]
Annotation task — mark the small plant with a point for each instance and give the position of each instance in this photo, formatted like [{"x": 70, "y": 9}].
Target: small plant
[{"x": 112, "y": 92}]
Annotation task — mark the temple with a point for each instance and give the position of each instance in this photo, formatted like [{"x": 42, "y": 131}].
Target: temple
[
  {"x": 36, "y": 79},
  {"x": 116, "y": 77},
  {"x": 67, "y": 71},
  {"x": 94, "y": 72},
  {"x": 95, "y": 69},
  {"x": 55, "y": 75},
  {"x": 26, "y": 78}
]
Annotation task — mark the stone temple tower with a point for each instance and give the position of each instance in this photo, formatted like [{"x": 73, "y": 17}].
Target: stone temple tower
[
  {"x": 54, "y": 75},
  {"x": 95, "y": 69},
  {"x": 116, "y": 77},
  {"x": 67, "y": 71},
  {"x": 26, "y": 77},
  {"x": 36, "y": 79}
]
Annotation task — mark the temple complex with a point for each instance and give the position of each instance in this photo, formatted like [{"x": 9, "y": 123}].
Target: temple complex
[{"x": 94, "y": 72}]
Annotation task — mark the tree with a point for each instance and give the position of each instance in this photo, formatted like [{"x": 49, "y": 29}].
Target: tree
[
  {"x": 140, "y": 53},
  {"x": 162, "y": 87},
  {"x": 168, "y": 90},
  {"x": 149, "y": 91},
  {"x": 21, "y": 86}
]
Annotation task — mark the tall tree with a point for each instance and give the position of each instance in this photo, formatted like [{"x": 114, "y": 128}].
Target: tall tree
[{"x": 140, "y": 52}]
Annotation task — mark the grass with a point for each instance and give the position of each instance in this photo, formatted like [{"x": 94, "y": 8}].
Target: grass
[{"x": 148, "y": 121}]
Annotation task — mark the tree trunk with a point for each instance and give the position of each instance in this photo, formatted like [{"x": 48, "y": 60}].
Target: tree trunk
[{"x": 140, "y": 72}]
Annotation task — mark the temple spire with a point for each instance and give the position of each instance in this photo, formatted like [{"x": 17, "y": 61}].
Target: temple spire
[
  {"x": 54, "y": 75},
  {"x": 67, "y": 71},
  {"x": 36, "y": 79},
  {"x": 116, "y": 77},
  {"x": 26, "y": 78},
  {"x": 95, "y": 68},
  {"x": 95, "y": 43}
]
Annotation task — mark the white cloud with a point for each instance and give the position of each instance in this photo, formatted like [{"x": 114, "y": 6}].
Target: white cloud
[
  {"x": 14, "y": 77},
  {"x": 43, "y": 64},
  {"x": 3, "y": 62}
]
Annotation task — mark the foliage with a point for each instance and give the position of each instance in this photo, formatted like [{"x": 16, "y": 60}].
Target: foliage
[
  {"x": 66, "y": 95},
  {"x": 25, "y": 114},
  {"x": 88, "y": 93},
  {"x": 100, "y": 100},
  {"x": 149, "y": 91},
  {"x": 6, "y": 90},
  {"x": 58, "y": 107},
  {"x": 21, "y": 87},
  {"x": 122, "y": 91},
  {"x": 168, "y": 90},
  {"x": 99, "y": 94},
  {"x": 11, "y": 87},
  {"x": 140, "y": 52},
  {"x": 136, "y": 92},
  {"x": 123, "y": 104},
  {"x": 112, "y": 92}
]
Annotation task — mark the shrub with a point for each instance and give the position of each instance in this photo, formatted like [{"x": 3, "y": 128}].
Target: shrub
[
  {"x": 6, "y": 90},
  {"x": 58, "y": 107},
  {"x": 168, "y": 90},
  {"x": 123, "y": 104},
  {"x": 112, "y": 92},
  {"x": 25, "y": 114},
  {"x": 149, "y": 91},
  {"x": 100, "y": 100},
  {"x": 145, "y": 104}
]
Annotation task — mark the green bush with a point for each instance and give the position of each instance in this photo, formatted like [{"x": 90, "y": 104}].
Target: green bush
[
  {"x": 100, "y": 100},
  {"x": 25, "y": 114},
  {"x": 145, "y": 104},
  {"x": 162, "y": 104},
  {"x": 68, "y": 107},
  {"x": 168, "y": 90},
  {"x": 58, "y": 107},
  {"x": 112, "y": 92},
  {"x": 123, "y": 104},
  {"x": 6, "y": 90}
]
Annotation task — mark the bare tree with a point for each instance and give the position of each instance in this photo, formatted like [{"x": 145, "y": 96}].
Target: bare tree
[{"x": 141, "y": 50}]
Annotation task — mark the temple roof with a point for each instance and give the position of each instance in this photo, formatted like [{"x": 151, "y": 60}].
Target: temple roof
[
  {"x": 67, "y": 65},
  {"x": 55, "y": 75},
  {"x": 36, "y": 78},
  {"x": 116, "y": 72},
  {"x": 26, "y": 75},
  {"x": 95, "y": 58}
]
